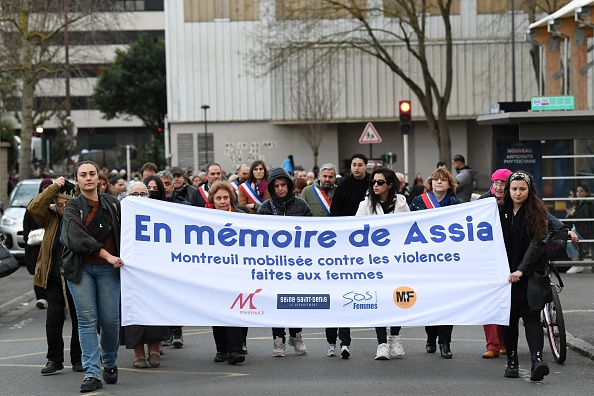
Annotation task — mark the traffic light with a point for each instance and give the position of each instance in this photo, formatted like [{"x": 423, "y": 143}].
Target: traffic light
[
  {"x": 405, "y": 111},
  {"x": 389, "y": 158}
]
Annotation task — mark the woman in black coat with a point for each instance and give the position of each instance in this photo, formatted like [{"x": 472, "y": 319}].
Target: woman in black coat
[{"x": 524, "y": 225}]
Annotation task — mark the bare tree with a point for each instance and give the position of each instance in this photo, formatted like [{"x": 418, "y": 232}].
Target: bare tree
[
  {"x": 32, "y": 42},
  {"x": 373, "y": 28},
  {"x": 313, "y": 101}
]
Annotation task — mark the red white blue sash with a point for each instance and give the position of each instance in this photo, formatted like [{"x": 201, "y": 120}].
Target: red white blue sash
[
  {"x": 203, "y": 192},
  {"x": 430, "y": 201},
  {"x": 250, "y": 193},
  {"x": 323, "y": 198},
  {"x": 235, "y": 185}
]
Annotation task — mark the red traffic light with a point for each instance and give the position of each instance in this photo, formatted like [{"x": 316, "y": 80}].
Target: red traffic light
[{"x": 405, "y": 106}]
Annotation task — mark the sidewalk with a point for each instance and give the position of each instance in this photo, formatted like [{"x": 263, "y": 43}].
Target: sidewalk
[{"x": 577, "y": 299}]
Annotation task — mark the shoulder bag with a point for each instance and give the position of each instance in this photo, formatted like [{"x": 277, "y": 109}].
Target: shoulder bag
[{"x": 8, "y": 264}]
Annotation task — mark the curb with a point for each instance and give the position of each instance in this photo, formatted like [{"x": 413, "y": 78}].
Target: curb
[
  {"x": 580, "y": 346},
  {"x": 8, "y": 306}
]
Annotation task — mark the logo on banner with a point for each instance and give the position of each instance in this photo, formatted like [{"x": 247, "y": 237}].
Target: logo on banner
[
  {"x": 242, "y": 302},
  {"x": 303, "y": 301},
  {"x": 404, "y": 297},
  {"x": 361, "y": 300}
]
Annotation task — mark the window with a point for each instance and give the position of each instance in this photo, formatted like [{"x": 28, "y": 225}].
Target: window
[
  {"x": 392, "y": 8},
  {"x": 315, "y": 9},
  {"x": 498, "y": 7},
  {"x": 210, "y": 10}
]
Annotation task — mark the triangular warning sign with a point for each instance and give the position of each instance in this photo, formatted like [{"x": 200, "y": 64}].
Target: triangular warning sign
[{"x": 370, "y": 135}]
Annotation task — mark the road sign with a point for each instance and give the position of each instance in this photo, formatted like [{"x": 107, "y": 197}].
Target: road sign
[
  {"x": 370, "y": 135},
  {"x": 552, "y": 103}
]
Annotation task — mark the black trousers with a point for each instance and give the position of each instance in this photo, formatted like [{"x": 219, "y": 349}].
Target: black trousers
[
  {"x": 54, "y": 323},
  {"x": 228, "y": 339},
  {"x": 444, "y": 332},
  {"x": 344, "y": 334},
  {"x": 532, "y": 325},
  {"x": 382, "y": 333},
  {"x": 280, "y": 332}
]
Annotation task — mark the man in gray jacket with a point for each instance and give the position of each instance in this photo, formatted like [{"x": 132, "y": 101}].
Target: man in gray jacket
[{"x": 464, "y": 178}]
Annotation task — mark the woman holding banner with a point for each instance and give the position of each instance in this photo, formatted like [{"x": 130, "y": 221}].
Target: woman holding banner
[
  {"x": 524, "y": 224},
  {"x": 91, "y": 263},
  {"x": 383, "y": 199},
  {"x": 254, "y": 191},
  {"x": 228, "y": 339},
  {"x": 440, "y": 190}
]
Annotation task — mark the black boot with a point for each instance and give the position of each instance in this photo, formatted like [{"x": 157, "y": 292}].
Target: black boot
[
  {"x": 539, "y": 368},
  {"x": 512, "y": 371},
  {"x": 444, "y": 350}
]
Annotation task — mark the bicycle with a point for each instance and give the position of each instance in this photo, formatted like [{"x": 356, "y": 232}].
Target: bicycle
[{"x": 552, "y": 319}]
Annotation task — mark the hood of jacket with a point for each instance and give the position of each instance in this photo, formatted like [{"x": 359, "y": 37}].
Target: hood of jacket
[{"x": 276, "y": 173}]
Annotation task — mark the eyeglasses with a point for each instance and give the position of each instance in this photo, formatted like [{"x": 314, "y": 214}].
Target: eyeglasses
[
  {"x": 139, "y": 194},
  {"x": 498, "y": 184},
  {"x": 60, "y": 205},
  {"x": 379, "y": 182}
]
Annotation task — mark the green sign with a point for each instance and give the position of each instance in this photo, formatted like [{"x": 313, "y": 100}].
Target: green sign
[{"x": 539, "y": 103}]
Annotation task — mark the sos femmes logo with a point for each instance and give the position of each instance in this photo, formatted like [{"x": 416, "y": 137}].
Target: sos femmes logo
[{"x": 404, "y": 297}]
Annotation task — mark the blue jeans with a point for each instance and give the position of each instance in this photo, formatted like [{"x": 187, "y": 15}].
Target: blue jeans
[
  {"x": 571, "y": 248},
  {"x": 97, "y": 301}
]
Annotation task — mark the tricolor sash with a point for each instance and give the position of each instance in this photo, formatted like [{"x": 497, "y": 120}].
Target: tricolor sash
[
  {"x": 204, "y": 192},
  {"x": 235, "y": 185},
  {"x": 430, "y": 201},
  {"x": 247, "y": 190},
  {"x": 323, "y": 198}
]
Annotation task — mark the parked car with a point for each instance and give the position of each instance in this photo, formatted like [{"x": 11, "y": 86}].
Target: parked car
[{"x": 11, "y": 224}]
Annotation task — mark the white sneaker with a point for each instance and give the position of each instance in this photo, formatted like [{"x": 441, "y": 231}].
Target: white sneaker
[
  {"x": 41, "y": 303},
  {"x": 344, "y": 352},
  {"x": 297, "y": 343},
  {"x": 331, "y": 350},
  {"x": 575, "y": 270},
  {"x": 383, "y": 352},
  {"x": 279, "y": 347},
  {"x": 395, "y": 346}
]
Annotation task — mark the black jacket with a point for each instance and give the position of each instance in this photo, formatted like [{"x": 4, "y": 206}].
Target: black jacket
[
  {"x": 189, "y": 193},
  {"x": 75, "y": 237},
  {"x": 349, "y": 193},
  {"x": 287, "y": 206}
]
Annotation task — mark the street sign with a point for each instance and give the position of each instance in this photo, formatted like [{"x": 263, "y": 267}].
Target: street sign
[
  {"x": 370, "y": 135},
  {"x": 539, "y": 103}
]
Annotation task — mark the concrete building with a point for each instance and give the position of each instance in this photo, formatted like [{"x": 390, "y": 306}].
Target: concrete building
[{"x": 209, "y": 44}]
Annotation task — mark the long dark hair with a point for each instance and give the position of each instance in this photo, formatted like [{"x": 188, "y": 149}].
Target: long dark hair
[
  {"x": 160, "y": 186},
  {"x": 536, "y": 211},
  {"x": 251, "y": 178},
  {"x": 391, "y": 178}
]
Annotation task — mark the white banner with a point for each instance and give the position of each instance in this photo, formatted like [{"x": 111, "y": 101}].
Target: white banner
[{"x": 201, "y": 267}]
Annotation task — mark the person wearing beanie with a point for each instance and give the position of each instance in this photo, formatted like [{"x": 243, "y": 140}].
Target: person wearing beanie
[
  {"x": 283, "y": 202},
  {"x": 493, "y": 333},
  {"x": 47, "y": 209}
]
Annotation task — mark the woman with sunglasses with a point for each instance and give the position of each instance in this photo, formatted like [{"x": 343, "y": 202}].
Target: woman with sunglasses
[
  {"x": 382, "y": 198},
  {"x": 440, "y": 190},
  {"x": 524, "y": 224}
]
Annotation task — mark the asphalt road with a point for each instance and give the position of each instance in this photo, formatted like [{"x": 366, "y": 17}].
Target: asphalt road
[{"x": 191, "y": 370}]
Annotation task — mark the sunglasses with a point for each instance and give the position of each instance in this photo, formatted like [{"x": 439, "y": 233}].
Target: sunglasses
[{"x": 379, "y": 182}]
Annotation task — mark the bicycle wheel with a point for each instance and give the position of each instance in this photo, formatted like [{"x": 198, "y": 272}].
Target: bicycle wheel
[{"x": 555, "y": 326}]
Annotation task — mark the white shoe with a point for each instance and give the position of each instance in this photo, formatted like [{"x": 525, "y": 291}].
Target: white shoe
[
  {"x": 297, "y": 343},
  {"x": 279, "y": 347},
  {"x": 575, "y": 270},
  {"x": 383, "y": 352},
  {"x": 395, "y": 346},
  {"x": 331, "y": 350},
  {"x": 41, "y": 303},
  {"x": 344, "y": 352}
]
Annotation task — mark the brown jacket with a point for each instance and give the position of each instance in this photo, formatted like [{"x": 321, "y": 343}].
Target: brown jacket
[
  {"x": 242, "y": 199},
  {"x": 46, "y": 216}
]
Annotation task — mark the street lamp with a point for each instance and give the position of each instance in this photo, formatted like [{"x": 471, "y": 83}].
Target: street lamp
[
  {"x": 205, "y": 108},
  {"x": 44, "y": 154}
]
